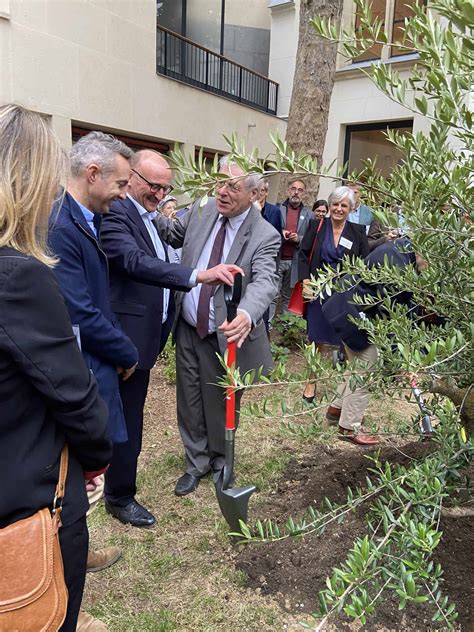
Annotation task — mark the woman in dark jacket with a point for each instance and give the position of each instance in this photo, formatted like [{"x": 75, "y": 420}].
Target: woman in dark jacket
[
  {"x": 47, "y": 396},
  {"x": 327, "y": 241}
]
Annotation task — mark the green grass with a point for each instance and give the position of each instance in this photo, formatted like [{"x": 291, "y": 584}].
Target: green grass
[
  {"x": 264, "y": 472},
  {"x": 114, "y": 613},
  {"x": 162, "y": 567},
  {"x": 181, "y": 574}
]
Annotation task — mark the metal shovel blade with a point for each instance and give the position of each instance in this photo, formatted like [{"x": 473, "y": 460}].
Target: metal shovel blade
[{"x": 233, "y": 501}]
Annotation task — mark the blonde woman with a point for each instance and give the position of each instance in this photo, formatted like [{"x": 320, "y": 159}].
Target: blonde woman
[{"x": 48, "y": 397}]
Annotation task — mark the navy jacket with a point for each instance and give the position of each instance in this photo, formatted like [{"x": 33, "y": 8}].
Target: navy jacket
[
  {"x": 272, "y": 213},
  {"x": 340, "y": 306},
  {"x": 353, "y": 233},
  {"x": 47, "y": 395},
  {"x": 137, "y": 279},
  {"x": 82, "y": 274}
]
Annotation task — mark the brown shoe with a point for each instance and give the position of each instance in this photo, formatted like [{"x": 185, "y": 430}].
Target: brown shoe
[
  {"x": 87, "y": 623},
  {"x": 361, "y": 437},
  {"x": 333, "y": 414},
  {"x": 102, "y": 558}
]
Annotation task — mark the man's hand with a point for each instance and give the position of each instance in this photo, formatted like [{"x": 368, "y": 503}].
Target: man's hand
[
  {"x": 222, "y": 273},
  {"x": 93, "y": 483},
  {"x": 294, "y": 238},
  {"x": 238, "y": 329},
  {"x": 126, "y": 373}
]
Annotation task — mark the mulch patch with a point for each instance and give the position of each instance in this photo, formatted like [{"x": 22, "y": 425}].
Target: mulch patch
[{"x": 295, "y": 569}]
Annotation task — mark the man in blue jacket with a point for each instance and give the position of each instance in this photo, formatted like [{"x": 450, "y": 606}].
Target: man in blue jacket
[
  {"x": 100, "y": 172},
  {"x": 270, "y": 212}
]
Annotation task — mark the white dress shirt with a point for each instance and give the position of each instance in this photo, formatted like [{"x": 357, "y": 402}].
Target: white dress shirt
[
  {"x": 148, "y": 218},
  {"x": 191, "y": 299}
]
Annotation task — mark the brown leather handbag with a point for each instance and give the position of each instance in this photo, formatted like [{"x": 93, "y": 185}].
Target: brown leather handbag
[{"x": 33, "y": 594}]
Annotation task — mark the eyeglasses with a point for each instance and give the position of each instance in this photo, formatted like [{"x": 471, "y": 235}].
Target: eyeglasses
[
  {"x": 297, "y": 190},
  {"x": 232, "y": 186},
  {"x": 154, "y": 186}
]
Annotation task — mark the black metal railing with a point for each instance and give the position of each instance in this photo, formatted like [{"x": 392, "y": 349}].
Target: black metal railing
[{"x": 184, "y": 60}]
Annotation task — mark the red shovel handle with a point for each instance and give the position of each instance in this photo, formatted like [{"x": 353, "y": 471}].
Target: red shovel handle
[
  {"x": 230, "y": 392},
  {"x": 232, "y": 296}
]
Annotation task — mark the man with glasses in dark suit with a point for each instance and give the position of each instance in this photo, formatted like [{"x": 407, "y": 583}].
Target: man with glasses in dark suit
[{"x": 141, "y": 280}]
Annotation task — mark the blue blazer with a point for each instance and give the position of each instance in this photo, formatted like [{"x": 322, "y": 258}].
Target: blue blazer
[
  {"x": 272, "y": 213},
  {"x": 82, "y": 274},
  {"x": 137, "y": 279}
]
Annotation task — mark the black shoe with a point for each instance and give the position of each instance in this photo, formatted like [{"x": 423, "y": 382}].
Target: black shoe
[
  {"x": 186, "y": 484},
  {"x": 308, "y": 400},
  {"x": 133, "y": 514}
]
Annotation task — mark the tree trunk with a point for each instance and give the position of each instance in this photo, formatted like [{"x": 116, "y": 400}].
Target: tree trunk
[
  {"x": 312, "y": 87},
  {"x": 462, "y": 398}
]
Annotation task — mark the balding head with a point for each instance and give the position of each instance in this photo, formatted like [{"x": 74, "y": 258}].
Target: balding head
[{"x": 151, "y": 178}]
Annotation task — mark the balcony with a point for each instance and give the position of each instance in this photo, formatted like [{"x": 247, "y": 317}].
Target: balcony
[{"x": 179, "y": 58}]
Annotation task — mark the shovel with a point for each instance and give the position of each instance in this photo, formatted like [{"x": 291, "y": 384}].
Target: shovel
[{"x": 233, "y": 501}]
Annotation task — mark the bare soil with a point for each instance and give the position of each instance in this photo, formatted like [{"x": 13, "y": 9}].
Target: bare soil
[
  {"x": 185, "y": 574},
  {"x": 295, "y": 569}
]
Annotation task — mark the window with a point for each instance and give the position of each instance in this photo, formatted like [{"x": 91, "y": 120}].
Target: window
[
  {"x": 133, "y": 143},
  {"x": 375, "y": 51},
  {"x": 369, "y": 141},
  {"x": 402, "y": 9},
  {"x": 392, "y": 13},
  {"x": 203, "y": 25},
  {"x": 170, "y": 15}
]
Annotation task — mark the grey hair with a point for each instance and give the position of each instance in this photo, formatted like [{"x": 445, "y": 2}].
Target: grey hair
[
  {"x": 339, "y": 194},
  {"x": 98, "y": 148},
  {"x": 251, "y": 180}
]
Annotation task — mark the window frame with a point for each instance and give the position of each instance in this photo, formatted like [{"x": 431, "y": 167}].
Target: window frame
[
  {"x": 389, "y": 27},
  {"x": 78, "y": 131},
  {"x": 367, "y": 127}
]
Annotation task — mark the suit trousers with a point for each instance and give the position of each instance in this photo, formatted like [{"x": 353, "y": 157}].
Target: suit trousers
[
  {"x": 353, "y": 400},
  {"x": 121, "y": 477},
  {"x": 284, "y": 287},
  {"x": 74, "y": 541},
  {"x": 200, "y": 402}
]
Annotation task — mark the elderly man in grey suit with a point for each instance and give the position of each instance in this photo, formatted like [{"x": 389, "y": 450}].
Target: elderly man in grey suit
[{"x": 230, "y": 229}]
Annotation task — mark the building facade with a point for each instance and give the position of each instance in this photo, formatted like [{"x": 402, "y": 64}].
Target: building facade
[
  {"x": 359, "y": 114},
  {"x": 94, "y": 64},
  {"x": 189, "y": 71}
]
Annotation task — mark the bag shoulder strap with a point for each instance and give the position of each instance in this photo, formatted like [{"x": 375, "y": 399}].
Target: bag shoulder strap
[
  {"x": 314, "y": 240},
  {"x": 61, "y": 486}
]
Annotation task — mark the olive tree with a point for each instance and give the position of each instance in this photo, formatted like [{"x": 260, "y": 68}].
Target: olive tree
[{"x": 433, "y": 186}]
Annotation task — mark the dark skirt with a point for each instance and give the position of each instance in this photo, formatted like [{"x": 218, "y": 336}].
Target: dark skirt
[{"x": 319, "y": 330}]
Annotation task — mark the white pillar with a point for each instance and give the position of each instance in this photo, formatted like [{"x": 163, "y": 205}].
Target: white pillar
[{"x": 61, "y": 126}]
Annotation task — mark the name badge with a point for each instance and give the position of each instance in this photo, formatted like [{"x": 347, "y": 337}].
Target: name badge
[
  {"x": 346, "y": 243},
  {"x": 301, "y": 217}
]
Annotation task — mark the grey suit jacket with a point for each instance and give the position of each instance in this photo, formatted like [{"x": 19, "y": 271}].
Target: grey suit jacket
[
  {"x": 303, "y": 222},
  {"x": 255, "y": 250}
]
